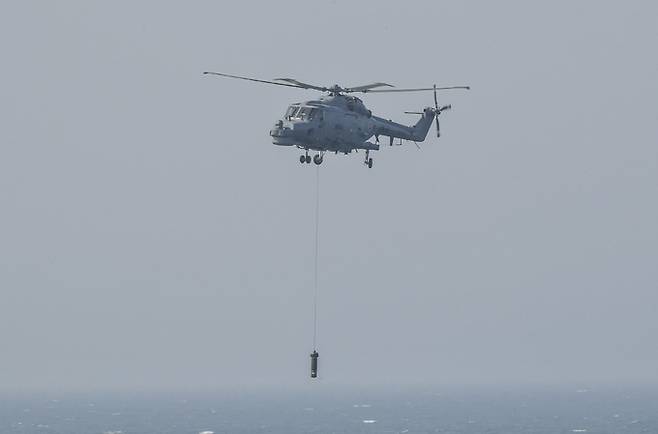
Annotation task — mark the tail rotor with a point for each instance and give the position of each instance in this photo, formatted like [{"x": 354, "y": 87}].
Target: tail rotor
[{"x": 438, "y": 112}]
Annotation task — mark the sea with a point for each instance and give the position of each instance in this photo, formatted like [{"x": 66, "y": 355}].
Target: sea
[{"x": 403, "y": 410}]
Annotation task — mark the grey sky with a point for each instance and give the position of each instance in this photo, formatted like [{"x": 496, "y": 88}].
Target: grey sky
[{"x": 152, "y": 236}]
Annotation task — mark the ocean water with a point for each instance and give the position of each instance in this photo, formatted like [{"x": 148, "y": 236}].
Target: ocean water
[{"x": 337, "y": 410}]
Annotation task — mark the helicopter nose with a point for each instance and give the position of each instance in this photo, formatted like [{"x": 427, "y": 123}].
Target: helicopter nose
[{"x": 280, "y": 131}]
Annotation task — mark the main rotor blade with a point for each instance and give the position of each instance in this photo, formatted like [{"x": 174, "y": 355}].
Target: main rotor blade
[
  {"x": 300, "y": 84},
  {"x": 366, "y": 87},
  {"x": 437, "y": 113},
  {"x": 420, "y": 89},
  {"x": 252, "y": 79}
]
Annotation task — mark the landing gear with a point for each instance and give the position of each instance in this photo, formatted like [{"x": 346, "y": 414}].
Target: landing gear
[
  {"x": 317, "y": 158},
  {"x": 368, "y": 160}
]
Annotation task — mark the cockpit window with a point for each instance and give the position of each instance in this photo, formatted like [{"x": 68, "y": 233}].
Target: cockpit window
[
  {"x": 301, "y": 113},
  {"x": 292, "y": 111}
]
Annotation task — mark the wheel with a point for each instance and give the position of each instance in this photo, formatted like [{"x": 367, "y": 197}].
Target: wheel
[
  {"x": 308, "y": 159},
  {"x": 317, "y": 159},
  {"x": 369, "y": 163},
  {"x": 302, "y": 159}
]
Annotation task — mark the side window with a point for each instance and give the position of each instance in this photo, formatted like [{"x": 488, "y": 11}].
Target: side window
[{"x": 305, "y": 113}]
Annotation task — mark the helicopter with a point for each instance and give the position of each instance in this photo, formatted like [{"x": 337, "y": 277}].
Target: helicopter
[{"x": 339, "y": 122}]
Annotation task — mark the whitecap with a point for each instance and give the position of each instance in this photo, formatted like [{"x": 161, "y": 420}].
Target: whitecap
[
  {"x": 369, "y": 421},
  {"x": 579, "y": 430}
]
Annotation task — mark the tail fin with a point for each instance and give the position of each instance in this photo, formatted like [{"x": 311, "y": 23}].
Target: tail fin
[{"x": 419, "y": 131}]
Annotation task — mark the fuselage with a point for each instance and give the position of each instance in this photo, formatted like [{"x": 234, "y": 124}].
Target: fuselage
[
  {"x": 332, "y": 123},
  {"x": 340, "y": 123}
]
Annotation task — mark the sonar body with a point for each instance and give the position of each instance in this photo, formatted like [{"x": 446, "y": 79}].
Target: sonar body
[{"x": 314, "y": 364}]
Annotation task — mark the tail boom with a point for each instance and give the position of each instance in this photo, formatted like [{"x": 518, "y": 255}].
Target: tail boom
[{"x": 416, "y": 133}]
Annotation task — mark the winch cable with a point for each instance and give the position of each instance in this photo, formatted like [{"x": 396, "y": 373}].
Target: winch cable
[{"x": 317, "y": 252}]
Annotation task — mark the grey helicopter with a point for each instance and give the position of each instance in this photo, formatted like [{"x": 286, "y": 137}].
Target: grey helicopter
[{"x": 339, "y": 122}]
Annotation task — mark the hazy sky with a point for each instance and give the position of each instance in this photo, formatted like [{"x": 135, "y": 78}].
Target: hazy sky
[{"x": 152, "y": 236}]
